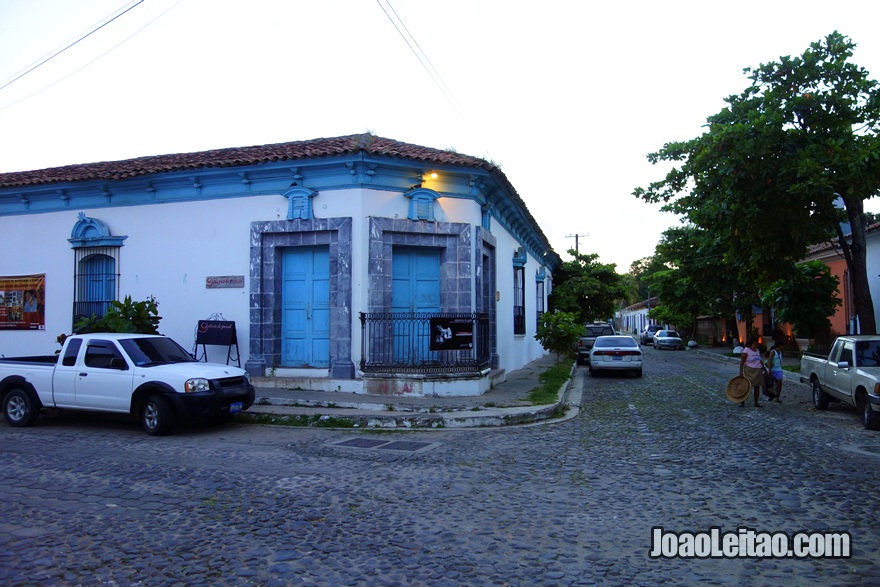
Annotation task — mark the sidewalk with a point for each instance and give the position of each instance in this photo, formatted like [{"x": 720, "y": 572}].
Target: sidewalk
[{"x": 503, "y": 405}]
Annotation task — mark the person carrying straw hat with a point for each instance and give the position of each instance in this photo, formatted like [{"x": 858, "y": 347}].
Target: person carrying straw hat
[{"x": 752, "y": 367}]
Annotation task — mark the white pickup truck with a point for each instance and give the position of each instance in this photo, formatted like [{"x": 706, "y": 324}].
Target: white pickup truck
[
  {"x": 850, "y": 373},
  {"x": 148, "y": 376}
]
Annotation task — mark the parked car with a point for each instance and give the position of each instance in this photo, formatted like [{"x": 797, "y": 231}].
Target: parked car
[
  {"x": 667, "y": 339},
  {"x": 647, "y": 335},
  {"x": 850, "y": 374},
  {"x": 591, "y": 332},
  {"x": 616, "y": 353}
]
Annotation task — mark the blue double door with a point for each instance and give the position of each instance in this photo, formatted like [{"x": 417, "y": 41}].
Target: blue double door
[
  {"x": 305, "y": 307},
  {"x": 415, "y": 289}
]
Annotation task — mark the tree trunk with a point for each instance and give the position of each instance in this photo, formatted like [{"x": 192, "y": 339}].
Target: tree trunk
[{"x": 857, "y": 264}]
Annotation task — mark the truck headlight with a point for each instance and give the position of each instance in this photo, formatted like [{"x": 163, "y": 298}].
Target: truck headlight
[{"x": 198, "y": 384}]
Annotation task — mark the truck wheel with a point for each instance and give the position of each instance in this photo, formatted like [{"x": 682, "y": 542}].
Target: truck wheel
[
  {"x": 156, "y": 415},
  {"x": 870, "y": 418},
  {"x": 20, "y": 408},
  {"x": 820, "y": 398}
]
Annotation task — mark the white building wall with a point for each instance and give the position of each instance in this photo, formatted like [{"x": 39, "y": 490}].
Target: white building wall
[
  {"x": 872, "y": 249},
  {"x": 171, "y": 249},
  {"x": 23, "y": 242}
]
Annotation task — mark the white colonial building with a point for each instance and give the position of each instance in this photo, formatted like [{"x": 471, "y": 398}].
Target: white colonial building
[{"x": 360, "y": 263}]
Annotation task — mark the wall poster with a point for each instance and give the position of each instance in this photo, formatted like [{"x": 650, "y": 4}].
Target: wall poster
[{"x": 22, "y": 302}]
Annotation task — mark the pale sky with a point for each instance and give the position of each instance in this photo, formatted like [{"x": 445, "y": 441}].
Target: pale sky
[{"x": 567, "y": 97}]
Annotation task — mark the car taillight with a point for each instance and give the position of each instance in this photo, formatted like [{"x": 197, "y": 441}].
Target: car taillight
[{"x": 618, "y": 353}]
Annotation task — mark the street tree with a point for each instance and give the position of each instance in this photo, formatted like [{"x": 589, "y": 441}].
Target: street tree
[
  {"x": 806, "y": 300},
  {"x": 587, "y": 288},
  {"x": 764, "y": 177},
  {"x": 559, "y": 332},
  {"x": 641, "y": 269},
  {"x": 691, "y": 284}
]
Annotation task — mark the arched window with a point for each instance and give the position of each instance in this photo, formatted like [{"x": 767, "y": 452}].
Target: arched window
[
  {"x": 300, "y": 203},
  {"x": 95, "y": 267},
  {"x": 421, "y": 205}
]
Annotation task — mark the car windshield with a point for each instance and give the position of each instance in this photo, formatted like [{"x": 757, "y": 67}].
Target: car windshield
[
  {"x": 868, "y": 353},
  {"x": 599, "y": 330},
  {"x": 615, "y": 341},
  {"x": 669, "y": 334},
  {"x": 151, "y": 351}
]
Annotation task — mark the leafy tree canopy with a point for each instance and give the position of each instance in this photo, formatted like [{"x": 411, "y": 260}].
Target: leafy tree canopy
[
  {"x": 641, "y": 269},
  {"x": 764, "y": 177},
  {"x": 559, "y": 332},
  {"x": 806, "y": 300},
  {"x": 587, "y": 288}
]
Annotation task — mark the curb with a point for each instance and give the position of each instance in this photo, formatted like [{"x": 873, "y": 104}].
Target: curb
[{"x": 371, "y": 415}]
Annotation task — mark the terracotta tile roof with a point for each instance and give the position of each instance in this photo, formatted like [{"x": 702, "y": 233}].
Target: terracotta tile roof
[
  {"x": 240, "y": 156},
  {"x": 255, "y": 155},
  {"x": 829, "y": 245}
]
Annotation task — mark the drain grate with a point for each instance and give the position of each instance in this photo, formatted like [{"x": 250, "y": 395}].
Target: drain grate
[
  {"x": 361, "y": 443},
  {"x": 403, "y": 446}
]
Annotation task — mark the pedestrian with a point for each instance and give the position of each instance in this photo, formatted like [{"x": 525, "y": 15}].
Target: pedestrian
[
  {"x": 751, "y": 366},
  {"x": 774, "y": 366}
]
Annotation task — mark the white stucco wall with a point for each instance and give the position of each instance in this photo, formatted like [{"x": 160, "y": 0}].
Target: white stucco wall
[{"x": 172, "y": 248}]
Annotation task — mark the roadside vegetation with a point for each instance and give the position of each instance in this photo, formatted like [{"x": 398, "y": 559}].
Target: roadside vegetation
[{"x": 551, "y": 380}]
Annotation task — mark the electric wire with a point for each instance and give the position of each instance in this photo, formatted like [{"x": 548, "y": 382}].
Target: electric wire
[
  {"x": 425, "y": 55},
  {"x": 93, "y": 60},
  {"x": 95, "y": 28},
  {"x": 423, "y": 58}
]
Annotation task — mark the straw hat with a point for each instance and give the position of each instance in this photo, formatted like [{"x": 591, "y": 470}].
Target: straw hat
[{"x": 738, "y": 389}]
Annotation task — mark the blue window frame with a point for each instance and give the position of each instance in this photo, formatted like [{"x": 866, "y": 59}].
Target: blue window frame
[{"x": 96, "y": 282}]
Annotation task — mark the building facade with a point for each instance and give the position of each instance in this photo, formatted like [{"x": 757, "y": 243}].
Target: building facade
[{"x": 360, "y": 262}]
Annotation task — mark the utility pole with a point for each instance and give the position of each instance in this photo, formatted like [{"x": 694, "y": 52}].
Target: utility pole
[{"x": 575, "y": 236}]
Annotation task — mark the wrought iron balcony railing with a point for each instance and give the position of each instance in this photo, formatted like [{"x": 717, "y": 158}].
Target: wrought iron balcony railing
[{"x": 424, "y": 343}]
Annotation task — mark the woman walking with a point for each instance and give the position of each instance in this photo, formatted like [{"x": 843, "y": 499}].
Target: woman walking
[{"x": 752, "y": 367}]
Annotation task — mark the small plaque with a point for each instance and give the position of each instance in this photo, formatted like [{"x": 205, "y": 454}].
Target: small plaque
[{"x": 222, "y": 281}]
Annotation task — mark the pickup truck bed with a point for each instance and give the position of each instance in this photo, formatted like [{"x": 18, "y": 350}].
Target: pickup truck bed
[{"x": 40, "y": 360}]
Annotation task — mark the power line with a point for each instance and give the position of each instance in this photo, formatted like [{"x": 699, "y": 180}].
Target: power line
[
  {"x": 82, "y": 36},
  {"x": 420, "y": 55},
  {"x": 93, "y": 60}
]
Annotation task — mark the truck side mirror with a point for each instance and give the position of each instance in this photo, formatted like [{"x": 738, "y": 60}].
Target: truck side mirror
[{"x": 119, "y": 364}]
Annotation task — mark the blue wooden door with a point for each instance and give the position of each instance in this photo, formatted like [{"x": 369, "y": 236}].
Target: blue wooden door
[
  {"x": 305, "y": 307},
  {"x": 415, "y": 288}
]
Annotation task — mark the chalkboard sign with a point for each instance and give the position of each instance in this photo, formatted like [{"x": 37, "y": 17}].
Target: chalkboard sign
[{"x": 219, "y": 332}]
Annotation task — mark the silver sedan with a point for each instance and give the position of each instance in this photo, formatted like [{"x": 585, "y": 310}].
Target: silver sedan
[
  {"x": 616, "y": 353},
  {"x": 667, "y": 339}
]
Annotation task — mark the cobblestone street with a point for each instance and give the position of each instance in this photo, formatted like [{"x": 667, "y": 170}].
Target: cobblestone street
[{"x": 94, "y": 501}]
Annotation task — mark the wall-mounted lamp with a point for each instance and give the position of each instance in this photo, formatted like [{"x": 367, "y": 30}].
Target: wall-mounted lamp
[{"x": 430, "y": 175}]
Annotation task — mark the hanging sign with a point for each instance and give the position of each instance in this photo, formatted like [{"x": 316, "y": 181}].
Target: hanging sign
[{"x": 452, "y": 334}]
